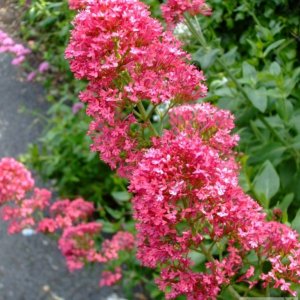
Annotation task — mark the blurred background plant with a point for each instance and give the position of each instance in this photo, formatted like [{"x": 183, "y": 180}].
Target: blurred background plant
[{"x": 249, "y": 51}]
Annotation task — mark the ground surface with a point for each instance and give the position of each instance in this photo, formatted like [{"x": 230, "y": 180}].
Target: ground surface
[{"x": 32, "y": 268}]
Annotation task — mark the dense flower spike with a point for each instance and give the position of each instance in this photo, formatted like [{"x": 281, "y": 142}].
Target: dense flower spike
[
  {"x": 105, "y": 33},
  {"x": 187, "y": 192},
  {"x": 127, "y": 58},
  {"x": 121, "y": 45},
  {"x": 212, "y": 124},
  {"x": 174, "y": 10},
  {"x": 15, "y": 180},
  {"x": 186, "y": 185},
  {"x": 8, "y": 45}
]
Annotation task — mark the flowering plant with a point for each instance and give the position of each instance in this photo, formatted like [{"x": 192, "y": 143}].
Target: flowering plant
[
  {"x": 184, "y": 179},
  {"x": 194, "y": 224}
]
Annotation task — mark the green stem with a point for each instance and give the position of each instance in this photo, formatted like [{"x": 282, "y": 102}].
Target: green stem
[
  {"x": 145, "y": 118},
  {"x": 233, "y": 292},
  {"x": 198, "y": 36},
  {"x": 244, "y": 289}
]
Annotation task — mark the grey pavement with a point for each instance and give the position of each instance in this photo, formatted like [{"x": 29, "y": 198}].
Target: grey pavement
[{"x": 32, "y": 268}]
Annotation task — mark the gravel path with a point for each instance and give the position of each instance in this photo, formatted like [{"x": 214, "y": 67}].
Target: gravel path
[{"x": 32, "y": 268}]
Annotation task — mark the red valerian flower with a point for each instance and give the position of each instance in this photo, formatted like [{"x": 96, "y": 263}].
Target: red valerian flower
[
  {"x": 174, "y": 10},
  {"x": 15, "y": 180},
  {"x": 77, "y": 244},
  {"x": 186, "y": 193}
]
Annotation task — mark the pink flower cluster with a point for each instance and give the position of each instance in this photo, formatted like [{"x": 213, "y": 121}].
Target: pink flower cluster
[
  {"x": 109, "y": 278},
  {"x": 78, "y": 245},
  {"x": 42, "y": 68},
  {"x": 174, "y": 10},
  {"x": 22, "y": 213},
  {"x": 8, "y": 45},
  {"x": 25, "y": 206},
  {"x": 66, "y": 213},
  {"x": 187, "y": 197},
  {"x": 15, "y": 180},
  {"x": 78, "y": 4},
  {"x": 127, "y": 59}
]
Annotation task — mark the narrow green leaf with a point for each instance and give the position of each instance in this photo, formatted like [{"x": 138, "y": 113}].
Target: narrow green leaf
[
  {"x": 273, "y": 46},
  {"x": 286, "y": 202},
  {"x": 296, "y": 222}
]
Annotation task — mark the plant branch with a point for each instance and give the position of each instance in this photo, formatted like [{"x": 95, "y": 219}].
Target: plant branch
[{"x": 145, "y": 118}]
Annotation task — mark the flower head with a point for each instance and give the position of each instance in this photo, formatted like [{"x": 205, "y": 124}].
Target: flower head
[{"x": 15, "y": 180}]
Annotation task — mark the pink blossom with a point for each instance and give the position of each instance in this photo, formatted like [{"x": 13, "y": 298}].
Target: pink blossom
[
  {"x": 8, "y": 45},
  {"x": 186, "y": 186},
  {"x": 77, "y": 107},
  {"x": 15, "y": 180},
  {"x": 121, "y": 241},
  {"x": 109, "y": 278},
  {"x": 78, "y": 4},
  {"x": 47, "y": 225},
  {"x": 66, "y": 213},
  {"x": 127, "y": 58},
  {"x": 174, "y": 10},
  {"x": 43, "y": 67},
  {"x": 77, "y": 244},
  {"x": 31, "y": 76},
  {"x": 24, "y": 213},
  {"x": 18, "y": 60}
]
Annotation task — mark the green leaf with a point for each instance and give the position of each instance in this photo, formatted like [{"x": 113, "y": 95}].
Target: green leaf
[
  {"x": 273, "y": 46},
  {"x": 267, "y": 150},
  {"x": 284, "y": 205},
  {"x": 47, "y": 22},
  {"x": 296, "y": 222},
  {"x": 109, "y": 227},
  {"x": 275, "y": 68},
  {"x": 244, "y": 181},
  {"x": 249, "y": 72},
  {"x": 122, "y": 196},
  {"x": 196, "y": 257},
  {"x": 258, "y": 98},
  {"x": 116, "y": 214},
  {"x": 206, "y": 59},
  {"x": 266, "y": 183}
]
